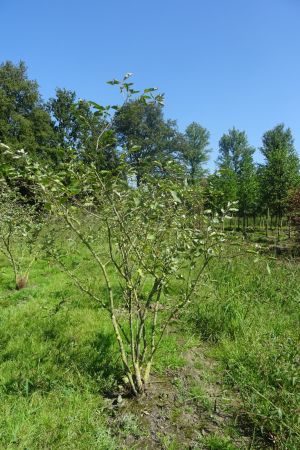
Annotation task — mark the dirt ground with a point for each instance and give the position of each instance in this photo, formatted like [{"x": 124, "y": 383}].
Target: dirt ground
[{"x": 182, "y": 409}]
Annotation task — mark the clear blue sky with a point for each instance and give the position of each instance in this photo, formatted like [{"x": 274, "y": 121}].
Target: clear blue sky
[{"x": 222, "y": 63}]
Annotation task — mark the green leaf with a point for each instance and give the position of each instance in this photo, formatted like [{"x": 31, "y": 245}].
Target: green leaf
[
  {"x": 140, "y": 272},
  {"x": 135, "y": 148},
  {"x": 112, "y": 82},
  {"x": 127, "y": 75},
  {"x": 175, "y": 197},
  {"x": 96, "y": 105},
  {"x": 150, "y": 90}
]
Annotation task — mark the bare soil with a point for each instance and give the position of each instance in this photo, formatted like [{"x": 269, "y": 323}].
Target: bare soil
[{"x": 181, "y": 409}]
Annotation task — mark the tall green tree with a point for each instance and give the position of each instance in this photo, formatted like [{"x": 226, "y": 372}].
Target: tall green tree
[
  {"x": 145, "y": 135},
  {"x": 195, "y": 152},
  {"x": 83, "y": 130},
  {"x": 280, "y": 172},
  {"x": 63, "y": 110},
  {"x": 248, "y": 187},
  {"x": 237, "y": 171},
  {"x": 233, "y": 147},
  {"x": 24, "y": 121}
]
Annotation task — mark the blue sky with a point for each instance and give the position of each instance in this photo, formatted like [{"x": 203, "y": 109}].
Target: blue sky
[{"x": 221, "y": 63}]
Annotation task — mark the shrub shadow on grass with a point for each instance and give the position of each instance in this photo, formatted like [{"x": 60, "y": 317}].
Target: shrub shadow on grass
[
  {"x": 95, "y": 359},
  {"x": 105, "y": 360}
]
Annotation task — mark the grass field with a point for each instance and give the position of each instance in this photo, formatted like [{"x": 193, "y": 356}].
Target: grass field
[{"x": 226, "y": 377}]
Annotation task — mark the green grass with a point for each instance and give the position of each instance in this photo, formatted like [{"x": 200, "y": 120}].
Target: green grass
[
  {"x": 214, "y": 442},
  {"x": 58, "y": 359},
  {"x": 58, "y": 356},
  {"x": 250, "y": 311},
  {"x": 61, "y": 419}
]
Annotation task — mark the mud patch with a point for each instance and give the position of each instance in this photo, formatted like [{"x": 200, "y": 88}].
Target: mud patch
[{"x": 182, "y": 409}]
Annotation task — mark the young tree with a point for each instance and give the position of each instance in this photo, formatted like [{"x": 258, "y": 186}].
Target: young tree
[
  {"x": 141, "y": 240},
  {"x": 195, "y": 152},
  {"x": 153, "y": 241},
  {"x": 20, "y": 226}
]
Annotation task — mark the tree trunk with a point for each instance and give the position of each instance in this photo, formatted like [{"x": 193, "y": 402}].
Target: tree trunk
[
  {"x": 267, "y": 222},
  {"x": 21, "y": 282},
  {"x": 244, "y": 224}
]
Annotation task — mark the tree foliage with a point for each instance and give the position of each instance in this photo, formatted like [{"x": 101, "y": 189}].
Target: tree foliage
[
  {"x": 280, "y": 172},
  {"x": 195, "y": 151},
  {"x": 236, "y": 178},
  {"x": 145, "y": 136},
  {"x": 24, "y": 122}
]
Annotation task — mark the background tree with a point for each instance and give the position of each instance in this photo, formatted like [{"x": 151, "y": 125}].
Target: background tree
[
  {"x": 145, "y": 136},
  {"x": 24, "y": 121},
  {"x": 293, "y": 209},
  {"x": 280, "y": 172},
  {"x": 232, "y": 147},
  {"x": 237, "y": 173},
  {"x": 248, "y": 187},
  {"x": 79, "y": 128},
  {"x": 63, "y": 110},
  {"x": 195, "y": 152}
]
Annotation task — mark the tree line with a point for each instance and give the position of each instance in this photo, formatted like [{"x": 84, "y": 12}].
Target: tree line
[{"x": 66, "y": 127}]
